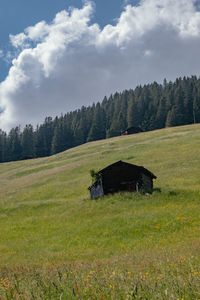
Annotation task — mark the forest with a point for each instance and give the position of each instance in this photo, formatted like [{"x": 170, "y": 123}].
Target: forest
[{"x": 152, "y": 106}]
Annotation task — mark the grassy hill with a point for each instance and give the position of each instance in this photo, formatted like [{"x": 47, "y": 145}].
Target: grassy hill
[{"x": 55, "y": 243}]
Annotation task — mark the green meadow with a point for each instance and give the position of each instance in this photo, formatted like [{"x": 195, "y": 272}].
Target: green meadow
[{"x": 56, "y": 243}]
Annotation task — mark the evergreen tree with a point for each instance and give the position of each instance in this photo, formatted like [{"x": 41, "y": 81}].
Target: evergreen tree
[
  {"x": 171, "y": 118},
  {"x": 57, "y": 142},
  {"x": 3, "y": 146},
  {"x": 97, "y": 131},
  {"x": 28, "y": 149},
  {"x": 160, "y": 118},
  {"x": 48, "y": 131},
  {"x": 196, "y": 109},
  {"x": 15, "y": 147},
  {"x": 40, "y": 142}
]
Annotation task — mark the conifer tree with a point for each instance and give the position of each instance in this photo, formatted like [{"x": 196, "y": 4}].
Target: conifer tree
[
  {"x": 57, "y": 141},
  {"x": 97, "y": 131},
  {"x": 196, "y": 109},
  {"x": 15, "y": 147},
  {"x": 3, "y": 146},
  {"x": 28, "y": 149}
]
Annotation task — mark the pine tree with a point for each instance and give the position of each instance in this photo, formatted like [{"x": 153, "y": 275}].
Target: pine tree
[
  {"x": 171, "y": 118},
  {"x": 196, "y": 109},
  {"x": 3, "y": 146},
  {"x": 57, "y": 142},
  {"x": 160, "y": 118},
  {"x": 48, "y": 131},
  {"x": 28, "y": 149},
  {"x": 15, "y": 147},
  {"x": 97, "y": 131}
]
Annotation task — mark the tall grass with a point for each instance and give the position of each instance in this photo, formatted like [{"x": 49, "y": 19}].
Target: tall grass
[{"x": 55, "y": 243}]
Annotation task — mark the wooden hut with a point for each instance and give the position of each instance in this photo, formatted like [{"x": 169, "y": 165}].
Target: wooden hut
[
  {"x": 131, "y": 130},
  {"x": 122, "y": 176}
]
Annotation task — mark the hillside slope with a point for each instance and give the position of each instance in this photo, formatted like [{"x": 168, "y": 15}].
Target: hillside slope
[
  {"x": 45, "y": 201},
  {"x": 46, "y": 216}
]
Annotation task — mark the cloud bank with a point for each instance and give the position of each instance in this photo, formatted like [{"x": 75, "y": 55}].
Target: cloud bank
[{"x": 72, "y": 62}]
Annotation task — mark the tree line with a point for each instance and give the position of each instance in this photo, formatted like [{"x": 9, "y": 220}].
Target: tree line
[{"x": 149, "y": 107}]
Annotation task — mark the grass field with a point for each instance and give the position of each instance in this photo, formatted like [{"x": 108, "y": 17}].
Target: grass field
[{"x": 55, "y": 243}]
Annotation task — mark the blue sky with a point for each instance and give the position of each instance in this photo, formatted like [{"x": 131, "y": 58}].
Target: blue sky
[
  {"x": 60, "y": 59},
  {"x": 15, "y": 15}
]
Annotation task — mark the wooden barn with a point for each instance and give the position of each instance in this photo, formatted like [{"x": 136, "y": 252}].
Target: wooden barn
[
  {"x": 131, "y": 130},
  {"x": 122, "y": 176}
]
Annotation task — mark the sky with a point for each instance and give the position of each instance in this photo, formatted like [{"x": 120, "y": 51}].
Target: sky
[
  {"x": 15, "y": 16},
  {"x": 56, "y": 56}
]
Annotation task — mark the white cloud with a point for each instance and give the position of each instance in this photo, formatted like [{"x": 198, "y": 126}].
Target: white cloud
[
  {"x": 18, "y": 40},
  {"x": 37, "y": 32},
  {"x": 71, "y": 62}
]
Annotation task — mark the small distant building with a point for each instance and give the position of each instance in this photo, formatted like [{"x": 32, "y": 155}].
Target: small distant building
[
  {"x": 122, "y": 176},
  {"x": 131, "y": 130}
]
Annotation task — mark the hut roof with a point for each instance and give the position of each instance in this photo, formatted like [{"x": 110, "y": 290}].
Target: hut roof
[
  {"x": 132, "y": 129},
  {"x": 120, "y": 162}
]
